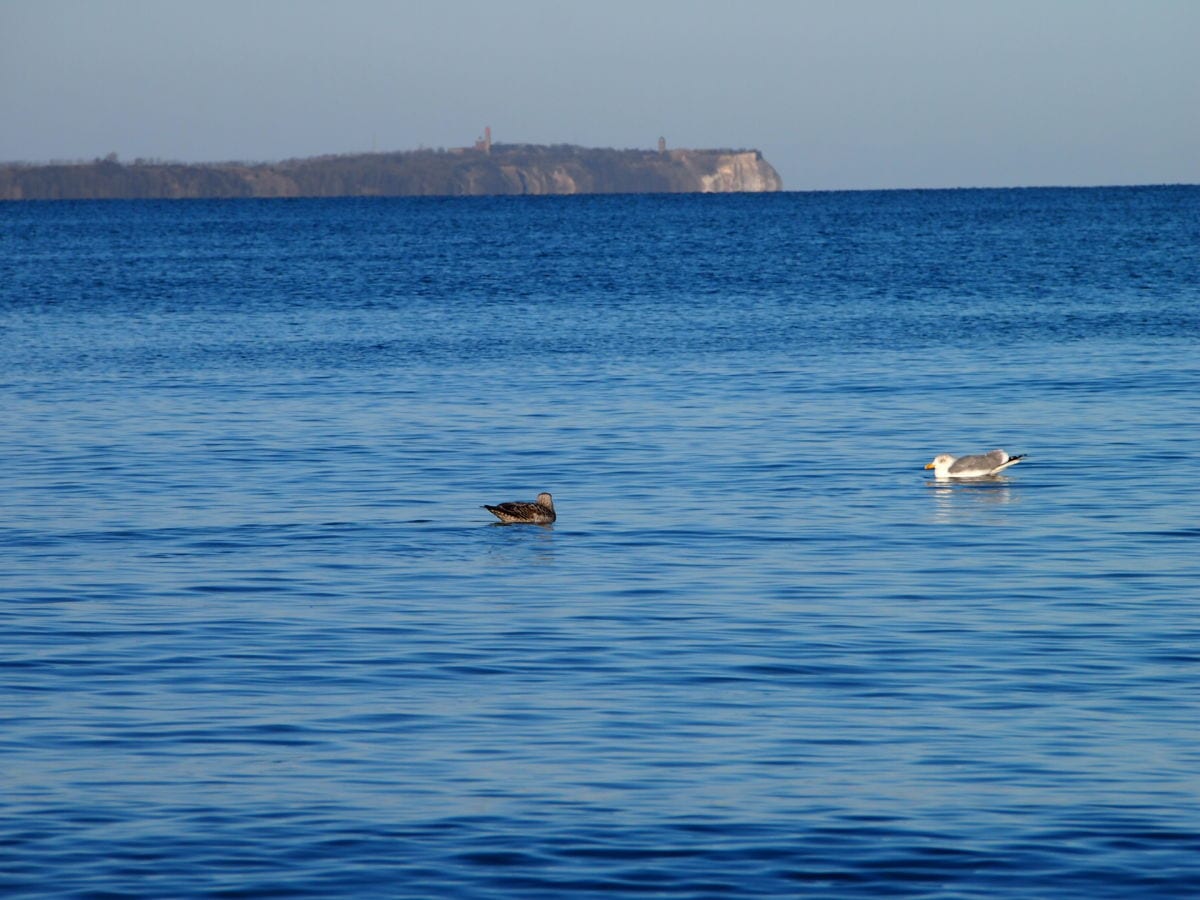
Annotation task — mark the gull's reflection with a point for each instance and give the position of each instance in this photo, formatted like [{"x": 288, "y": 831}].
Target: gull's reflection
[{"x": 957, "y": 498}]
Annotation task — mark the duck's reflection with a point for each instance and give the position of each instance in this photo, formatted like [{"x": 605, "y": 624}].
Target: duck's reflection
[{"x": 537, "y": 539}]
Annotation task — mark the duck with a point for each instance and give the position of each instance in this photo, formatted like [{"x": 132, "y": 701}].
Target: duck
[{"x": 539, "y": 512}]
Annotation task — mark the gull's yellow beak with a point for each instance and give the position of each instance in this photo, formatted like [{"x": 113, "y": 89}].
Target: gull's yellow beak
[{"x": 929, "y": 465}]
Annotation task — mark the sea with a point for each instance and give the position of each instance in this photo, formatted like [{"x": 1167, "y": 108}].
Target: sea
[{"x": 259, "y": 638}]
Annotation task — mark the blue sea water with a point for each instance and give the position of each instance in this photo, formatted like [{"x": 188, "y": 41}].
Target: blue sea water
[{"x": 258, "y": 638}]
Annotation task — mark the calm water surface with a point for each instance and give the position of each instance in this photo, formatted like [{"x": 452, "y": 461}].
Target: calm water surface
[{"x": 259, "y": 639}]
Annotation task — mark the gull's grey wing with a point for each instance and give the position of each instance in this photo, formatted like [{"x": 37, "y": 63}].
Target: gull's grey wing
[{"x": 979, "y": 462}]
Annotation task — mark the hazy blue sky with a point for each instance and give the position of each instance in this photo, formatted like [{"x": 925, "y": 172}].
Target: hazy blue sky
[{"x": 837, "y": 94}]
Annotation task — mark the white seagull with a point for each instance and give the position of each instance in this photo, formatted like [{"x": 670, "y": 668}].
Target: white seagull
[
  {"x": 539, "y": 512},
  {"x": 979, "y": 465}
]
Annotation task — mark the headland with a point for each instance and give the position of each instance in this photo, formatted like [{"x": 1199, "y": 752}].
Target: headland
[{"x": 481, "y": 170}]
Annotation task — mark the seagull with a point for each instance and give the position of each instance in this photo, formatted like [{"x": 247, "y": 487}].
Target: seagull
[
  {"x": 978, "y": 466},
  {"x": 539, "y": 512}
]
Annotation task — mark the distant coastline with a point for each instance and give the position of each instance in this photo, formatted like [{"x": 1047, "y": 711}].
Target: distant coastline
[{"x": 481, "y": 170}]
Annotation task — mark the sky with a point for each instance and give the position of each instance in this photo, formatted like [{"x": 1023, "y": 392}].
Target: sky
[{"x": 837, "y": 94}]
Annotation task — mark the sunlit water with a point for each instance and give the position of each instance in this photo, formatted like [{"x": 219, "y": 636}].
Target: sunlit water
[{"x": 260, "y": 639}]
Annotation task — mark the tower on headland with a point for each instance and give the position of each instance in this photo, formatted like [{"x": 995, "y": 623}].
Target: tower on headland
[
  {"x": 662, "y": 145},
  {"x": 484, "y": 144}
]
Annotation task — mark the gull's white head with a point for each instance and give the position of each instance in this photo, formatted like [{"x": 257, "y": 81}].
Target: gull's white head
[{"x": 941, "y": 465}]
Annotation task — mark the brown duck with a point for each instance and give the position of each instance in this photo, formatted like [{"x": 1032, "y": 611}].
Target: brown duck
[{"x": 539, "y": 512}]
